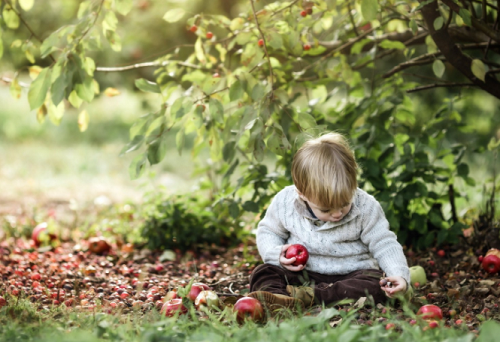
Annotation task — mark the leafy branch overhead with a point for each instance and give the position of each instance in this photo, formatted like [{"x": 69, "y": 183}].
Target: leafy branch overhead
[{"x": 257, "y": 84}]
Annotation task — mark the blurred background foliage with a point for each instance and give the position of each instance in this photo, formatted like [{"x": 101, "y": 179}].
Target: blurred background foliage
[{"x": 145, "y": 37}]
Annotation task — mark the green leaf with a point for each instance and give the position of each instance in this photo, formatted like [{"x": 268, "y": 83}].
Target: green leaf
[
  {"x": 369, "y": 9},
  {"x": 390, "y": 44},
  {"x": 358, "y": 47},
  {"x": 180, "y": 138},
  {"x": 39, "y": 88},
  {"x": 234, "y": 210},
  {"x": 174, "y": 15},
  {"x": 493, "y": 144},
  {"x": 10, "y": 17},
  {"x": 74, "y": 99},
  {"x": 114, "y": 40},
  {"x": 463, "y": 170},
  {"x": 489, "y": 331},
  {"x": 123, "y": 6},
  {"x": 438, "y": 23},
  {"x": 49, "y": 44},
  {"x": 251, "y": 206},
  {"x": 137, "y": 167},
  {"x": 85, "y": 90},
  {"x": 413, "y": 26},
  {"x": 110, "y": 21},
  {"x": 198, "y": 50},
  {"x": 1, "y": 45},
  {"x": 478, "y": 69},
  {"x": 438, "y": 67},
  {"x": 466, "y": 16},
  {"x": 216, "y": 110},
  {"x": 305, "y": 120},
  {"x": 229, "y": 151},
  {"x": 57, "y": 90},
  {"x": 157, "y": 151},
  {"x": 15, "y": 89},
  {"x": 258, "y": 92},
  {"x": 133, "y": 145},
  {"x": 83, "y": 120},
  {"x": 147, "y": 86},
  {"x": 26, "y": 4},
  {"x": 236, "y": 91}
]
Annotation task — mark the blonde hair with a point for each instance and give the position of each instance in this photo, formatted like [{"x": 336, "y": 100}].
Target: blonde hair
[{"x": 324, "y": 170}]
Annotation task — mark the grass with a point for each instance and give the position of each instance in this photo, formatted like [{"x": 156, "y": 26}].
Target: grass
[{"x": 23, "y": 323}]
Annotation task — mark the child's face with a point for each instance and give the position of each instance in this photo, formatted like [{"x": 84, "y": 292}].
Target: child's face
[{"x": 328, "y": 214}]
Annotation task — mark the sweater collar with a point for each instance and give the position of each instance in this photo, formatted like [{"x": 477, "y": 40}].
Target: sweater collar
[{"x": 301, "y": 208}]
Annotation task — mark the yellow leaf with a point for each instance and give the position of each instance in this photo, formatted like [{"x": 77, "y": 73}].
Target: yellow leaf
[
  {"x": 34, "y": 71},
  {"x": 41, "y": 113},
  {"x": 110, "y": 92},
  {"x": 83, "y": 120}
]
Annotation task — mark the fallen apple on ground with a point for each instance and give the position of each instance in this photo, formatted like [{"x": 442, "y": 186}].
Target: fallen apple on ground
[
  {"x": 173, "y": 306},
  {"x": 299, "y": 252},
  {"x": 430, "y": 311},
  {"x": 99, "y": 245},
  {"x": 41, "y": 236},
  {"x": 248, "y": 308},
  {"x": 208, "y": 299},
  {"x": 417, "y": 275},
  {"x": 491, "y": 262},
  {"x": 195, "y": 290}
]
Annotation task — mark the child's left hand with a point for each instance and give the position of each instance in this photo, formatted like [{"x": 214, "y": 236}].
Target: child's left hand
[{"x": 397, "y": 284}]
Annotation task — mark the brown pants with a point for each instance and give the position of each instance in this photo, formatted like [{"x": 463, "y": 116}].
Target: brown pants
[{"x": 327, "y": 288}]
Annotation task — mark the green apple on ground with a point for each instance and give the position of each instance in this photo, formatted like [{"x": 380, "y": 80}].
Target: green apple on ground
[{"x": 417, "y": 275}]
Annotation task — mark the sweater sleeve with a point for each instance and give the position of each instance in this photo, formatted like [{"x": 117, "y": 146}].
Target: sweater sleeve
[
  {"x": 271, "y": 233},
  {"x": 382, "y": 242}
]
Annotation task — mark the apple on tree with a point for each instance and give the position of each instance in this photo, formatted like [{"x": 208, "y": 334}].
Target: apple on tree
[
  {"x": 299, "y": 252},
  {"x": 491, "y": 262},
  {"x": 195, "y": 290},
  {"x": 248, "y": 308},
  {"x": 417, "y": 275}
]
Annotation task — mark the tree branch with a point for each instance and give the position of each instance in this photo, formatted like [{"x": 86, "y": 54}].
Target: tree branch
[
  {"x": 265, "y": 44},
  {"x": 440, "y": 85},
  {"x": 349, "y": 9},
  {"x": 477, "y": 24},
  {"x": 452, "y": 53},
  {"x": 429, "y": 58},
  {"x": 149, "y": 64},
  {"x": 10, "y": 80}
]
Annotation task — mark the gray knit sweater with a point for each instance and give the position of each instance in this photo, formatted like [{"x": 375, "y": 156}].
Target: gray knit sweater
[{"x": 361, "y": 240}]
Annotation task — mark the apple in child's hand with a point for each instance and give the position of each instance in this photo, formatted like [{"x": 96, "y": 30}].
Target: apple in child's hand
[
  {"x": 430, "y": 311},
  {"x": 248, "y": 308},
  {"x": 491, "y": 262},
  {"x": 417, "y": 275},
  {"x": 298, "y": 252},
  {"x": 208, "y": 299},
  {"x": 172, "y": 306},
  {"x": 196, "y": 288}
]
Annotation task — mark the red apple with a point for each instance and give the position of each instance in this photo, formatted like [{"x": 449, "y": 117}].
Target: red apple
[
  {"x": 99, "y": 245},
  {"x": 298, "y": 252},
  {"x": 441, "y": 253},
  {"x": 208, "y": 299},
  {"x": 170, "y": 295},
  {"x": 430, "y": 311},
  {"x": 3, "y": 302},
  {"x": 248, "y": 308},
  {"x": 41, "y": 236},
  {"x": 491, "y": 262},
  {"x": 196, "y": 288},
  {"x": 173, "y": 306},
  {"x": 433, "y": 324}
]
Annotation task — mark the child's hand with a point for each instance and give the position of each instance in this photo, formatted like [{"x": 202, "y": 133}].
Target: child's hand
[
  {"x": 397, "y": 284},
  {"x": 287, "y": 263}
]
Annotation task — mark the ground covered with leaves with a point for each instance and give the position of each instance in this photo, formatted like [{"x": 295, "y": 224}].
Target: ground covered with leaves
[{"x": 128, "y": 281}]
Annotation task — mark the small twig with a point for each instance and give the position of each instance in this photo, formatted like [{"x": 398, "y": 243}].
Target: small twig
[
  {"x": 93, "y": 24},
  {"x": 10, "y": 80},
  {"x": 351, "y": 17},
  {"x": 489, "y": 41},
  {"x": 451, "y": 197},
  {"x": 265, "y": 44},
  {"x": 27, "y": 26},
  {"x": 441, "y": 85},
  {"x": 284, "y": 8}
]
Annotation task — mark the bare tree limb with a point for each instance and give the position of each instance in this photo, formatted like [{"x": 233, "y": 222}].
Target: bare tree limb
[
  {"x": 453, "y": 54},
  {"x": 148, "y": 64},
  {"x": 10, "y": 80},
  {"x": 440, "y": 85}
]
